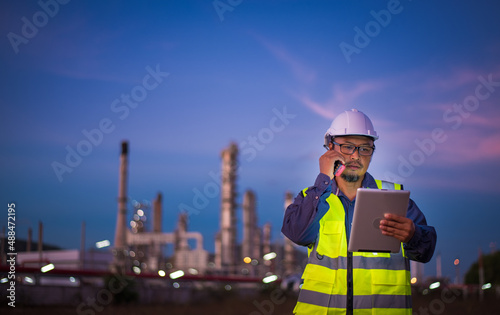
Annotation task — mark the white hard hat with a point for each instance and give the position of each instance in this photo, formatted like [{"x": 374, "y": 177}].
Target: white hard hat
[{"x": 351, "y": 123}]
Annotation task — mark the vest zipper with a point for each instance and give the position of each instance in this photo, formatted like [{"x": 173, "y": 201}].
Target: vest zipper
[{"x": 350, "y": 295}]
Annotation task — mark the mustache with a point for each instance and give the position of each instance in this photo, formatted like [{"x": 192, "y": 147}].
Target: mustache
[{"x": 358, "y": 164}]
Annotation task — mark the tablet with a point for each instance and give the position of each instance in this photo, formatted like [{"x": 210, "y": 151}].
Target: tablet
[{"x": 369, "y": 209}]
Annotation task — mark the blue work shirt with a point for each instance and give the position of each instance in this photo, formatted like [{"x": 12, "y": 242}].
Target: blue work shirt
[{"x": 301, "y": 221}]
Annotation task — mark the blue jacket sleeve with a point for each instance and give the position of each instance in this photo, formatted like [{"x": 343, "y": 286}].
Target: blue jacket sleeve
[
  {"x": 421, "y": 246},
  {"x": 301, "y": 221}
]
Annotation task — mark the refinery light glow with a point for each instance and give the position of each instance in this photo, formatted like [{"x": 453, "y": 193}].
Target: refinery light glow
[
  {"x": 270, "y": 279},
  {"x": 47, "y": 268},
  {"x": 176, "y": 274},
  {"x": 102, "y": 244},
  {"x": 435, "y": 285},
  {"x": 486, "y": 286},
  {"x": 269, "y": 256}
]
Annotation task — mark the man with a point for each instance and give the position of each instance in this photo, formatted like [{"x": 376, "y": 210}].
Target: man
[{"x": 337, "y": 281}]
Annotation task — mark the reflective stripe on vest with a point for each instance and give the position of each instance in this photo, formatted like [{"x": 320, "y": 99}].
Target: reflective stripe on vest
[
  {"x": 383, "y": 184},
  {"x": 381, "y": 281},
  {"x": 360, "y": 302}
]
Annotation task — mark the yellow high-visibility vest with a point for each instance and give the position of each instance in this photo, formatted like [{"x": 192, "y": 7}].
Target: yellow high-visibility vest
[{"x": 380, "y": 281}]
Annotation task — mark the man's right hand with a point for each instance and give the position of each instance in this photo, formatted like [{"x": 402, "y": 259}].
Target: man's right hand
[{"x": 327, "y": 162}]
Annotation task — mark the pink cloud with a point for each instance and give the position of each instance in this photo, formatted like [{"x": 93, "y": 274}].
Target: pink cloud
[
  {"x": 489, "y": 147},
  {"x": 300, "y": 71},
  {"x": 341, "y": 98},
  {"x": 458, "y": 78},
  {"x": 489, "y": 121},
  {"x": 324, "y": 110},
  {"x": 457, "y": 181},
  {"x": 476, "y": 140},
  {"x": 464, "y": 146},
  {"x": 464, "y": 80},
  {"x": 464, "y": 150}
]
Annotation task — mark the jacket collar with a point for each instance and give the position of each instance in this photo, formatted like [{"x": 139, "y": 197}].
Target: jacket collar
[{"x": 368, "y": 182}]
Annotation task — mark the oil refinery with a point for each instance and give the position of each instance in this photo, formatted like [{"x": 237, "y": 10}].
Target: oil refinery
[
  {"x": 171, "y": 260},
  {"x": 141, "y": 250}
]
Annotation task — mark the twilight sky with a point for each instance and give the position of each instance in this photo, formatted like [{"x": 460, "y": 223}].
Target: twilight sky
[{"x": 180, "y": 80}]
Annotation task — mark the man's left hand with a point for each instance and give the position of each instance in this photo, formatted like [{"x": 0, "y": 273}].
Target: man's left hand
[{"x": 397, "y": 226}]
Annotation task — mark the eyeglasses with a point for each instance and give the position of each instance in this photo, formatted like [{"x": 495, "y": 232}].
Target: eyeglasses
[{"x": 347, "y": 148}]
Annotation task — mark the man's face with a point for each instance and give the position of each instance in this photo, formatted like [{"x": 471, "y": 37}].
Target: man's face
[{"x": 356, "y": 164}]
